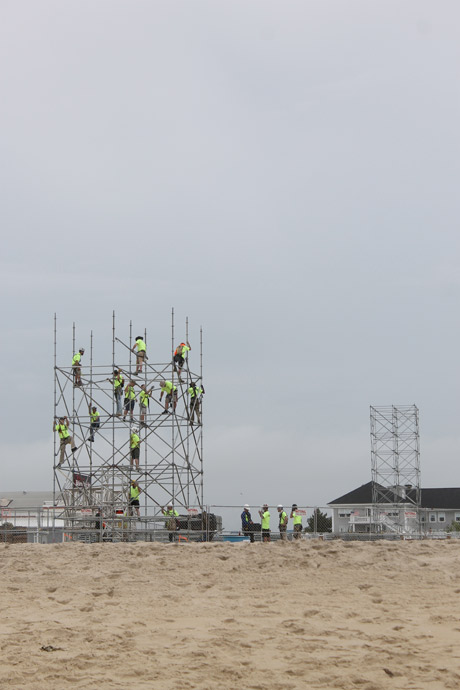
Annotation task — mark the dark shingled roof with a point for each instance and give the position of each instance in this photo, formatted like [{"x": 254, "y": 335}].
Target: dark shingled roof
[{"x": 439, "y": 499}]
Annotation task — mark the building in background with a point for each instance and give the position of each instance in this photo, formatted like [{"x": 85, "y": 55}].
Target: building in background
[{"x": 353, "y": 512}]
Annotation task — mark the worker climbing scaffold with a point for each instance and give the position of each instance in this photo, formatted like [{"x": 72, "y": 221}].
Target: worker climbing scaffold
[
  {"x": 62, "y": 427},
  {"x": 180, "y": 355},
  {"x": 141, "y": 355},
  {"x": 196, "y": 393},
  {"x": 76, "y": 366}
]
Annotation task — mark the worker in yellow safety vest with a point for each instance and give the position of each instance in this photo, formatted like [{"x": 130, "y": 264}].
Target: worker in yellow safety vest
[
  {"x": 130, "y": 399},
  {"x": 171, "y": 524},
  {"x": 265, "y": 516},
  {"x": 144, "y": 400},
  {"x": 135, "y": 442},
  {"x": 141, "y": 353},
  {"x": 283, "y": 521},
  {"x": 118, "y": 383},
  {"x": 171, "y": 395},
  {"x": 297, "y": 521},
  {"x": 134, "y": 492},
  {"x": 196, "y": 393},
  {"x": 76, "y": 366},
  {"x": 95, "y": 422},
  {"x": 62, "y": 427},
  {"x": 180, "y": 354}
]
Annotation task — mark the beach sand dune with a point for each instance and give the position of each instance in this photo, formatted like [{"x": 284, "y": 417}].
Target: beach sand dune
[{"x": 313, "y": 614}]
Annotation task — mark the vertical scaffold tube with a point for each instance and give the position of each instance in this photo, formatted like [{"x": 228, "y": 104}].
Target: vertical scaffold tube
[
  {"x": 187, "y": 415},
  {"x": 113, "y": 404},
  {"x": 202, "y": 423},
  {"x": 173, "y": 462},
  {"x": 89, "y": 409},
  {"x": 54, "y": 424}
]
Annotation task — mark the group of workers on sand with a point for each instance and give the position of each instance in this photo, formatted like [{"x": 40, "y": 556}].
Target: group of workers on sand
[
  {"x": 125, "y": 398},
  {"x": 248, "y": 526}
]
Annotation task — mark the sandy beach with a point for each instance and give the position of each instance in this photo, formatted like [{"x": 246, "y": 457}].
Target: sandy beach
[{"x": 311, "y": 615}]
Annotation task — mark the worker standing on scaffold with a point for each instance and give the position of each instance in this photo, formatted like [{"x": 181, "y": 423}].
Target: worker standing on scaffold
[
  {"x": 130, "y": 399},
  {"x": 76, "y": 366},
  {"x": 141, "y": 354},
  {"x": 135, "y": 442},
  {"x": 118, "y": 383},
  {"x": 180, "y": 354},
  {"x": 144, "y": 400},
  {"x": 134, "y": 491}
]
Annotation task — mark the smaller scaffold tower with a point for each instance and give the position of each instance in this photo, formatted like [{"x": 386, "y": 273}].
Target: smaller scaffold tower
[
  {"x": 93, "y": 482},
  {"x": 395, "y": 457}
]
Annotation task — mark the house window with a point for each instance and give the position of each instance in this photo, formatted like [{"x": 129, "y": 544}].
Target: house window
[
  {"x": 345, "y": 514},
  {"x": 422, "y": 518},
  {"x": 432, "y": 517},
  {"x": 441, "y": 517},
  {"x": 457, "y": 517}
]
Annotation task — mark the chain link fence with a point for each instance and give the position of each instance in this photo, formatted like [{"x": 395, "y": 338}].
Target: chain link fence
[{"x": 210, "y": 523}]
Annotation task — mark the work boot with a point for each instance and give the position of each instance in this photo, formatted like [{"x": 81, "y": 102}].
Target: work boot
[{"x": 73, "y": 449}]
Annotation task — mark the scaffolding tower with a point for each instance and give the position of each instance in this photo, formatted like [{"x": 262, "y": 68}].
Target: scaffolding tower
[
  {"x": 92, "y": 486},
  {"x": 395, "y": 458}
]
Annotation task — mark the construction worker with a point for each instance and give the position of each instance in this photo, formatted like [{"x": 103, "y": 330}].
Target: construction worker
[
  {"x": 76, "y": 366},
  {"x": 134, "y": 492},
  {"x": 196, "y": 393},
  {"x": 171, "y": 524},
  {"x": 265, "y": 517},
  {"x": 171, "y": 395},
  {"x": 247, "y": 524},
  {"x": 297, "y": 521},
  {"x": 62, "y": 427},
  {"x": 144, "y": 400},
  {"x": 135, "y": 447},
  {"x": 141, "y": 353},
  {"x": 283, "y": 521},
  {"x": 130, "y": 399},
  {"x": 95, "y": 422},
  {"x": 180, "y": 354},
  {"x": 118, "y": 383}
]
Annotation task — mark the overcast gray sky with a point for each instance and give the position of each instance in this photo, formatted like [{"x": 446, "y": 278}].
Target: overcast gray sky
[{"x": 286, "y": 175}]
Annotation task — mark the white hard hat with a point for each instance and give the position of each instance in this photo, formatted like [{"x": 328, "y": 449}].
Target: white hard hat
[
  {"x": 279, "y": 505},
  {"x": 245, "y": 505}
]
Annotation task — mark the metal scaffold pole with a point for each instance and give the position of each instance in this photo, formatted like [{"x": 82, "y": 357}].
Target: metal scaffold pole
[
  {"x": 93, "y": 483},
  {"x": 201, "y": 435},
  {"x": 54, "y": 424}
]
